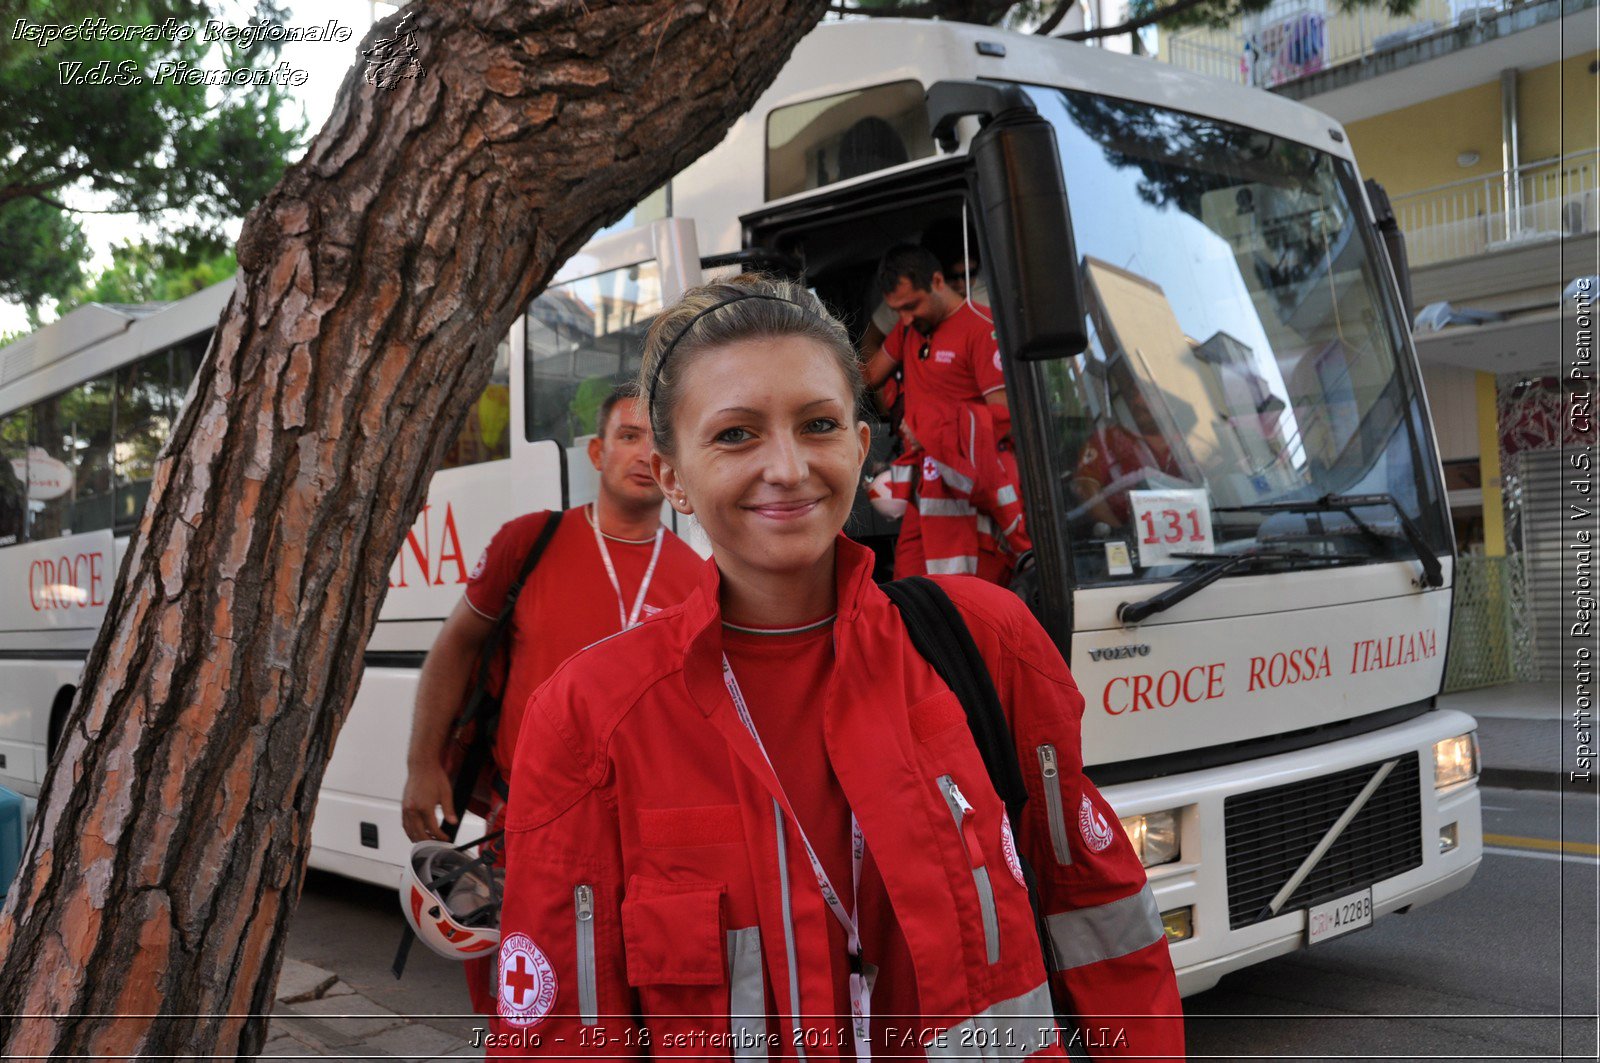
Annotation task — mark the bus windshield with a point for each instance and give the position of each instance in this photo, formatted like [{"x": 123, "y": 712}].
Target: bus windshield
[{"x": 1242, "y": 351}]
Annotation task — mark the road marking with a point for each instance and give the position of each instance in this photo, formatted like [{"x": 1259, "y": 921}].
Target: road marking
[
  {"x": 1526, "y": 855},
  {"x": 1547, "y": 845}
]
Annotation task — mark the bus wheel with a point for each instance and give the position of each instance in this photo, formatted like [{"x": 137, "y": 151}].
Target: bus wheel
[{"x": 58, "y": 719}]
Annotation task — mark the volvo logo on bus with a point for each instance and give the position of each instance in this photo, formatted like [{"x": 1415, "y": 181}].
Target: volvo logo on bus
[{"x": 1120, "y": 653}]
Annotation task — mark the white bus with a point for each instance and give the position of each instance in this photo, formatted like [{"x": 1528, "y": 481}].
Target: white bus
[{"x": 1231, "y": 480}]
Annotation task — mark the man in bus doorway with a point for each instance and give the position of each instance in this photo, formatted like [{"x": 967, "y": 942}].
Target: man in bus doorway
[
  {"x": 608, "y": 565},
  {"x": 956, "y": 457}
]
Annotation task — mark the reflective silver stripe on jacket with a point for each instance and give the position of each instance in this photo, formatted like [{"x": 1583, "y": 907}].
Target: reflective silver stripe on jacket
[
  {"x": 1011, "y": 1029},
  {"x": 747, "y": 996},
  {"x": 1106, "y": 931},
  {"x": 950, "y": 476},
  {"x": 953, "y": 566},
  {"x": 1006, "y": 495},
  {"x": 944, "y": 507},
  {"x": 788, "y": 932},
  {"x": 980, "y": 874}
]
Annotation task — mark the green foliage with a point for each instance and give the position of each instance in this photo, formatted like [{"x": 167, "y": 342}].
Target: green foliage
[
  {"x": 144, "y": 273},
  {"x": 151, "y": 148},
  {"x": 41, "y": 251}
]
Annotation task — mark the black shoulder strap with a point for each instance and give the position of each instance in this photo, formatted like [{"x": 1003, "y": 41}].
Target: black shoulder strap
[
  {"x": 502, "y": 623},
  {"x": 942, "y": 637}
]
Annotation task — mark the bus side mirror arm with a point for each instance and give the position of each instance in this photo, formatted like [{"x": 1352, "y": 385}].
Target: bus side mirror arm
[
  {"x": 1394, "y": 244},
  {"x": 1026, "y": 226},
  {"x": 1031, "y": 262}
]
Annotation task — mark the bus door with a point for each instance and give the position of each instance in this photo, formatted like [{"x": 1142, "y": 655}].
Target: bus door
[{"x": 581, "y": 337}]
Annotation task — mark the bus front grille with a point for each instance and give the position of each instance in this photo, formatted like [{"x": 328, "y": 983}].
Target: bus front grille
[{"x": 1270, "y": 832}]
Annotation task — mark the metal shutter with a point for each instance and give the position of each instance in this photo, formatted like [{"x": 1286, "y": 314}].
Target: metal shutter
[{"x": 1550, "y": 609}]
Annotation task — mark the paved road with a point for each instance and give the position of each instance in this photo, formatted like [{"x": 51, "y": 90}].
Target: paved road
[
  {"x": 352, "y": 929},
  {"x": 1479, "y": 974}
]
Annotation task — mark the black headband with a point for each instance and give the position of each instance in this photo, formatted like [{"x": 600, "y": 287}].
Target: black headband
[{"x": 655, "y": 376}]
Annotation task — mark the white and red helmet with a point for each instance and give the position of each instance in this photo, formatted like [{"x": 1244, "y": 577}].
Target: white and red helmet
[
  {"x": 452, "y": 900},
  {"x": 884, "y": 498}
]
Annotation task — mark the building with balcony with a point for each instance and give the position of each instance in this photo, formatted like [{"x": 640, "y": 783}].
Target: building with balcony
[{"x": 1479, "y": 118}]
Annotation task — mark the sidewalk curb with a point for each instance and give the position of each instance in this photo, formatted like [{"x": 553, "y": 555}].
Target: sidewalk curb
[{"x": 1532, "y": 779}]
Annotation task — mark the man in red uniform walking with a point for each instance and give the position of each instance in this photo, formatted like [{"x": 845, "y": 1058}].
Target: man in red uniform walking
[
  {"x": 967, "y": 517},
  {"x": 609, "y": 565}
]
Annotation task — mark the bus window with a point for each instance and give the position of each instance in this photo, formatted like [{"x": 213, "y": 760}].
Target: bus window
[
  {"x": 486, "y": 434},
  {"x": 150, "y": 394},
  {"x": 88, "y": 410},
  {"x": 583, "y": 338},
  {"x": 13, "y": 477},
  {"x": 145, "y": 411},
  {"x": 816, "y": 143}
]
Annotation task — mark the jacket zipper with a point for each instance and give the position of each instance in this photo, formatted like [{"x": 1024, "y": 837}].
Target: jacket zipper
[
  {"x": 588, "y": 1005},
  {"x": 1051, "y": 771},
  {"x": 960, "y": 810}
]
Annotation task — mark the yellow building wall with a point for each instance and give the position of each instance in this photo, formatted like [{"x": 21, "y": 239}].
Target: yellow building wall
[
  {"x": 1559, "y": 112},
  {"x": 1416, "y": 147}
]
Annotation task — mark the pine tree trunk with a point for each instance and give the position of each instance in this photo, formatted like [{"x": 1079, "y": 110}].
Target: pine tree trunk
[{"x": 375, "y": 280}]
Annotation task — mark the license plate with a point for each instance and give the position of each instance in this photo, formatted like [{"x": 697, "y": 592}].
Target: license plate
[{"x": 1329, "y": 920}]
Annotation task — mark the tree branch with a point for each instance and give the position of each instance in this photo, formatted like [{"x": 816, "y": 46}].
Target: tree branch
[
  {"x": 1049, "y": 25},
  {"x": 1134, "y": 23},
  {"x": 47, "y": 201},
  {"x": 927, "y": 10},
  {"x": 11, "y": 191}
]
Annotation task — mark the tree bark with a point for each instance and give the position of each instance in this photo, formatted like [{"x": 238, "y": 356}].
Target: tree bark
[{"x": 172, "y": 833}]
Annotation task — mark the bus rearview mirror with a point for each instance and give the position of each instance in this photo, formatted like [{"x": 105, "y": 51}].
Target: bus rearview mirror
[{"x": 1032, "y": 258}]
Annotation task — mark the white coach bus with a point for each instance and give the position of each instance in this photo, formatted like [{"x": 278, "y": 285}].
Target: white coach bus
[{"x": 1230, "y": 473}]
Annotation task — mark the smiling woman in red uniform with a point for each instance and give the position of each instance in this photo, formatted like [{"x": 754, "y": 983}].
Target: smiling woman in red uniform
[{"x": 757, "y": 826}]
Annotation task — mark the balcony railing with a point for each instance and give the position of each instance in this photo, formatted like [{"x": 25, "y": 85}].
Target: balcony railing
[
  {"x": 1549, "y": 199},
  {"x": 1292, "y": 39}
]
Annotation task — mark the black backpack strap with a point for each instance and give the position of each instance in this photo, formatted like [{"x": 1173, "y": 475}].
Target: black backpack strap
[
  {"x": 483, "y": 706},
  {"x": 502, "y": 623},
  {"x": 941, "y": 636}
]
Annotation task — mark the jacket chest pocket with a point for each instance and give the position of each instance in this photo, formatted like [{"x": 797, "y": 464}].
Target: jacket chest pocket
[{"x": 675, "y": 947}]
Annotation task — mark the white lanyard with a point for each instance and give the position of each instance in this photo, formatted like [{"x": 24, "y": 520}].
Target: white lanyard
[
  {"x": 626, "y": 618},
  {"x": 860, "y": 982}
]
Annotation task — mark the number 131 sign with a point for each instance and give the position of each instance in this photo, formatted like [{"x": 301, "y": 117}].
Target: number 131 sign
[{"x": 1171, "y": 522}]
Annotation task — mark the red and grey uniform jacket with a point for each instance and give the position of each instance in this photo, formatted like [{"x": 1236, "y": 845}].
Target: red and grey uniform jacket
[
  {"x": 968, "y": 499},
  {"x": 655, "y": 876}
]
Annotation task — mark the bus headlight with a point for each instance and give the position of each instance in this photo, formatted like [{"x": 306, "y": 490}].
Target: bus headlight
[
  {"x": 1154, "y": 836},
  {"x": 1455, "y": 760}
]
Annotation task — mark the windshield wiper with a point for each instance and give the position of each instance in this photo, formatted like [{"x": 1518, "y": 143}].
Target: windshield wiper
[
  {"x": 1432, "y": 571},
  {"x": 1217, "y": 566}
]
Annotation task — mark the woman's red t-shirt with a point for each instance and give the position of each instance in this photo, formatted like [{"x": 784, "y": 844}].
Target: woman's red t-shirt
[{"x": 783, "y": 678}]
